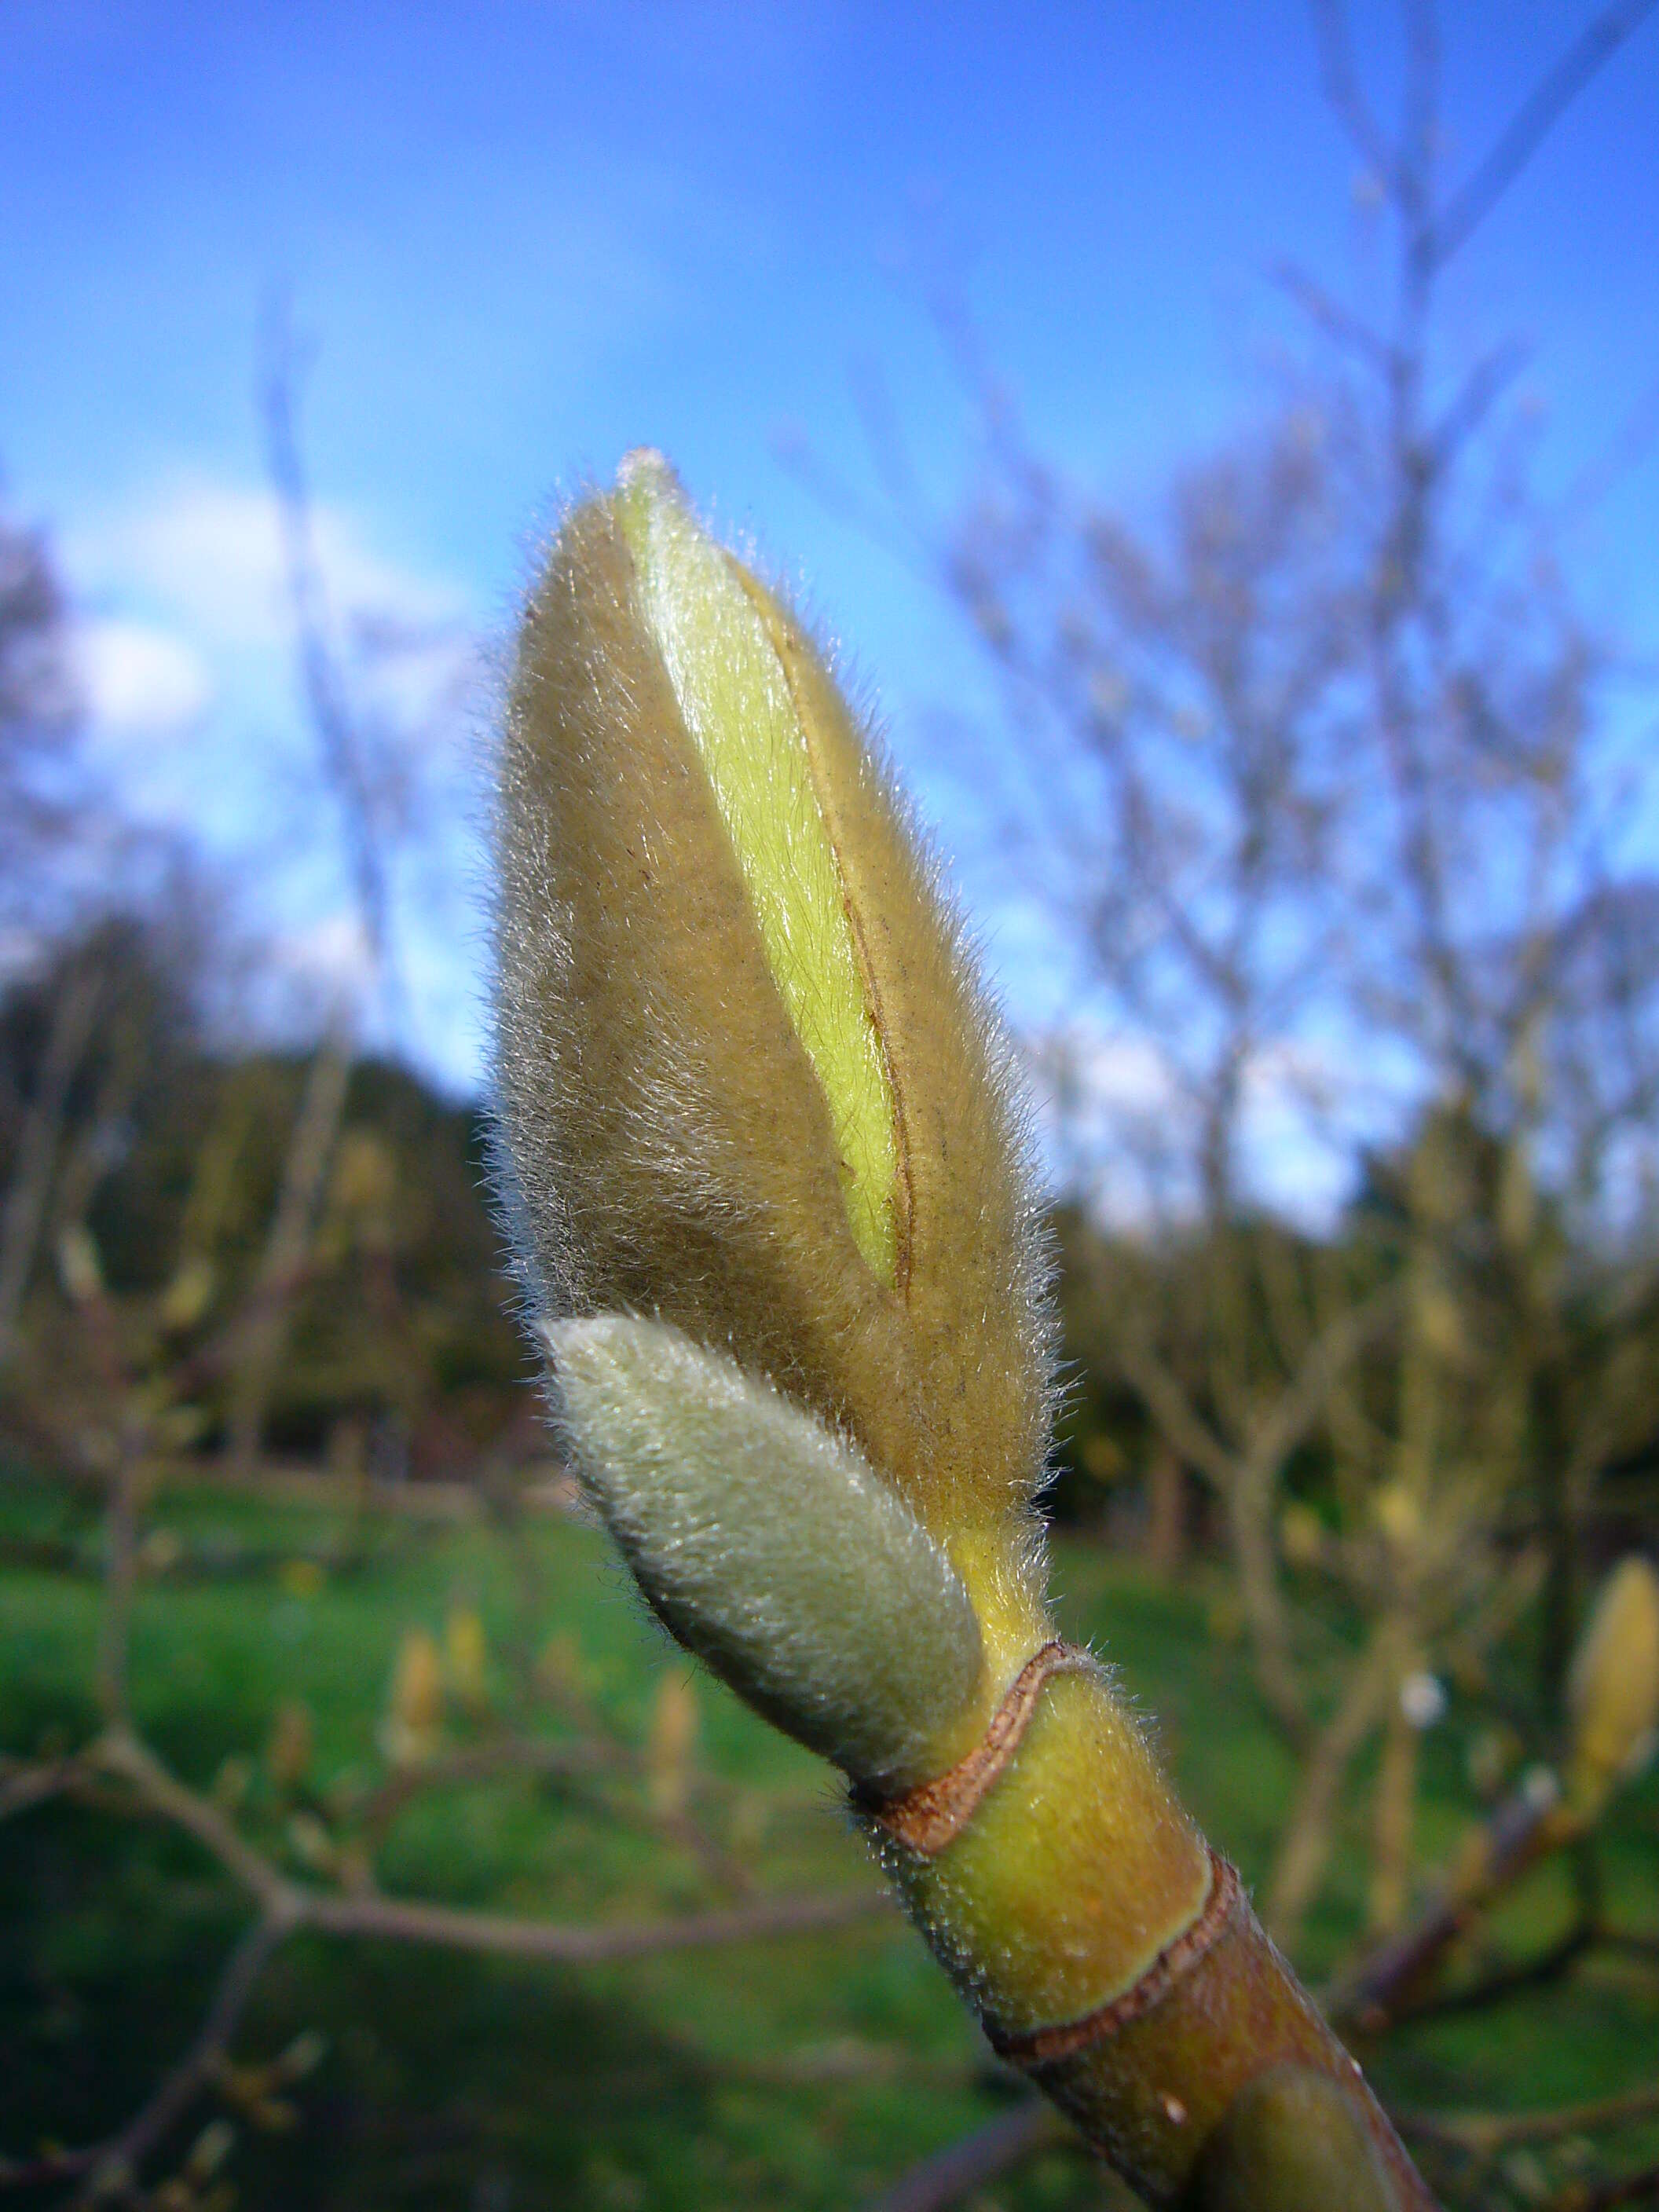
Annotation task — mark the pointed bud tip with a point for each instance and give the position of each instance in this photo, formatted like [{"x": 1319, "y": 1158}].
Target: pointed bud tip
[{"x": 646, "y": 466}]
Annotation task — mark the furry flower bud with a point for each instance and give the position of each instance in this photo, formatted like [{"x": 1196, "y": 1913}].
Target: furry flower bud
[{"x": 746, "y": 1082}]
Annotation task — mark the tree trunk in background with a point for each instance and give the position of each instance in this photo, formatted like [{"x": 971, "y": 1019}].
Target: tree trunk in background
[
  {"x": 1166, "y": 1513},
  {"x": 311, "y": 1148},
  {"x": 1396, "y": 1803},
  {"x": 37, "y": 1152}
]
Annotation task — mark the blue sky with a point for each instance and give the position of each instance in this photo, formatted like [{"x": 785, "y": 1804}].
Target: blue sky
[{"x": 522, "y": 239}]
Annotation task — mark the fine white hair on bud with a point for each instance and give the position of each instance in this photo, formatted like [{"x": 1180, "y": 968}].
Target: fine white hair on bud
[
  {"x": 768, "y": 1544},
  {"x": 747, "y": 1081}
]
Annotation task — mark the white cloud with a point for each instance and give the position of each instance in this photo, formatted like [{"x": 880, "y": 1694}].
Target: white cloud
[
  {"x": 209, "y": 555},
  {"x": 189, "y": 665},
  {"x": 139, "y": 680},
  {"x": 22, "y": 951},
  {"x": 1120, "y": 1120},
  {"x": 329, "y": 957},
  {"x": 427, "y": 687},
  {"x": 1130, "y": 1075}
]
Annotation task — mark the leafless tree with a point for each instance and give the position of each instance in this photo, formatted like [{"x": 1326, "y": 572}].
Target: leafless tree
[
  {"x": 39, "y": 722},
  {"x": 367, "y": 775},
  {"x": 1318, "y": 772},
  {"x": 40, "y": 718}
]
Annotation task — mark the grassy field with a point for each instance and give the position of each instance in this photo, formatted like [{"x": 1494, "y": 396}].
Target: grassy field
[{"x": 799, "y": 2073}]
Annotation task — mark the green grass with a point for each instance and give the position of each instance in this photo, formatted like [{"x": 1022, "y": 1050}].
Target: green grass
[{"x": 800, "y": 2073}]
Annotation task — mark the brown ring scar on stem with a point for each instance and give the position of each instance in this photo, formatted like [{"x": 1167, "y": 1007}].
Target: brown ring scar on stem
[
  {"x": 1043, "y": 2047},
  {"x": 927, "y": 1818}
]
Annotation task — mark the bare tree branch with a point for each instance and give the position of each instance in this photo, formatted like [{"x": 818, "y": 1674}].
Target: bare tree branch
[
  {"x": 287, "y": 1906},
  {"x": 1328, "y": 313},
  {"x": 73, "y": 1013},
  {"x": 1306, "y": 1844},
  {"x": 1531, "y": 123},
  {"x": 110, "y": 2168},
  {"x": 161, "y": 1793},
  {"x": 412, "y": 1921},
  {"x": 1344, "y": 92},
  {"x": 996, "y": 2148},
  {"x": 26, "y": 1784},
  {"x": 345, "y": 766},
  {"x": 1487, "y": 2133}
]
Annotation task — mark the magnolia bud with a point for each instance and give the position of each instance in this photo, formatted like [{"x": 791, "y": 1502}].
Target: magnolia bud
[
  {"x": 672, "y": 1745},
  {"x": 766, "y": 1543},
  {"x": 773, "y": 1218},
  {"x": 1612, "y": 1691},
  {"x": 466, "y": 1656},
  {"x": 747, "y": 1081},
  {"x": 289, "y": 1751},
  {"x": 80, "y": 1264},
  {"x": 1292, "y": 2142},
  {"x": 414, "y": 1712}
]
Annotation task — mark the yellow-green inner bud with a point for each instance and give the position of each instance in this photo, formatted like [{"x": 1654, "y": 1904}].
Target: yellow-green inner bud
[{"x": 735, "y": 699}]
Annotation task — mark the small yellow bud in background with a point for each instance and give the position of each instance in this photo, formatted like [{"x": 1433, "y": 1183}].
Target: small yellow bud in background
[
  {"x": 671, "y": 1748},
  {"x": 1612, "y": 1692},
  {"x": 289, "y": 1750},
  {"x": 1490, "y": 1760},
  {"x": 1102, "y": 1456},
  {"x": 232, "y": 1782},
  {"x": 210, "y": 2150},
  {"x": 80, "y": 1265},
  {"x": 414, "y": 1715},
  {"x": 178, "y": 1428},
  {"x": 466, "y": 1656},
  {"x": 160, "y": 1551},
  {"x": 310, "y": 1843},
  {"x": 1441, "y": 1324},
  {"x": 188, "y": 1296},
  {"x": 1400, "y": 1516},
  {"x": 1301, "y": 1534},
  {"x": 303, "y": 2055},
  {"x": 365, "y": 1176},
  {"x": 301, "y": 1578},
  {"x": 362, "y": 1195}
]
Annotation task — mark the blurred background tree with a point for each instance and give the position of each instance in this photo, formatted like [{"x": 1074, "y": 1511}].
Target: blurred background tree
[
  {"x": 1329, "y": 783},
  {"x": 1325, "y": 781}
]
